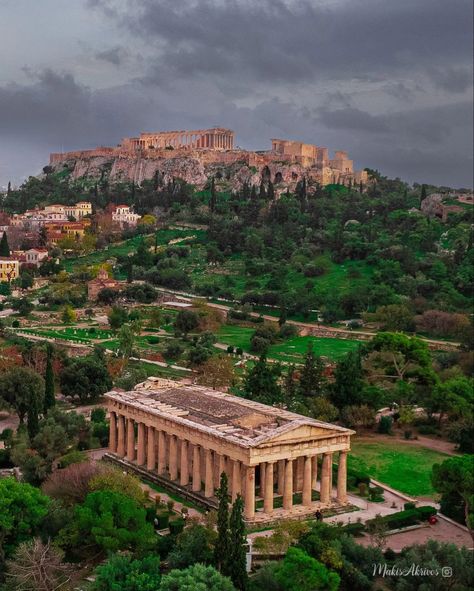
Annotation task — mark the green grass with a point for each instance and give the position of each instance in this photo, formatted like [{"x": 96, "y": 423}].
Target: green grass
[
  {"x": 292, "y": 350},
  {"x": 172, "y": 495},
  {"x": 403, "y": 466}
]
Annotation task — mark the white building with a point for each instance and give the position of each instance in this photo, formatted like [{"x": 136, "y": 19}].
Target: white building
[{"x": 124, "y": 215}]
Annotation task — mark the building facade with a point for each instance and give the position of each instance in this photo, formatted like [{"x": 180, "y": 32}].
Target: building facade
[
  {"x": 187, "y": 435},
  {"x": 9, "y": 269}
]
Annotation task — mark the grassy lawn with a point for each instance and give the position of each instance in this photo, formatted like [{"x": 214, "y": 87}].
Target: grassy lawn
[
  {"x": 404, "y": 466},
  {"x": 292, "y": 350}
]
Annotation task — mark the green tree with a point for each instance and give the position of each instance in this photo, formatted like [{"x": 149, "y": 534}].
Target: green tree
[
  {"x": 22, "y": 510},
  {"x": 222, "y": 549},
  {"x": 122, "y": 573},
  {"x": 348, "y": 381},
  {"x": 196, "y": 577},
  {"x": 194, "y": 545},
  {"x": 22, "y": 389},
  {"x": 107, "y": 522},
  {"x": 49, "y": 398},
  {"x": 117, "y": 316},
  {"x": 4, "y": 247},
  {"x": 300, "y": 572},
  {"x": 437, "y": 555},
  {"x": 186, "y": 321},
  {"x": 237, "y": 561},
  {"x": 114, "y": 480},
  {"x": 456, "y": 475},
  {"x": 84, "y": 379},
  {"x": 261, "y": 382},
  {"x": 126, "y": 339},
  {"x": 312, "y": 380}
]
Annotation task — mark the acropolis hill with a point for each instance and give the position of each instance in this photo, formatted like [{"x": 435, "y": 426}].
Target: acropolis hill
[{"x": 197, "y": 155}]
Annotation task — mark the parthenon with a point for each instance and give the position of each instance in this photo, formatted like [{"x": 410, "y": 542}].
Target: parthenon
[
  {"x": 216, "y": 138},
  {"x": 187, "y": 435}
]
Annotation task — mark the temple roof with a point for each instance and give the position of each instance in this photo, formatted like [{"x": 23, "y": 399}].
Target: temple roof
[{"x": 236, "y": 419}]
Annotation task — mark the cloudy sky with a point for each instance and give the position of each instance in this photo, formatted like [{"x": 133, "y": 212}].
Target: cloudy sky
[{"x": 388, "y": 80}]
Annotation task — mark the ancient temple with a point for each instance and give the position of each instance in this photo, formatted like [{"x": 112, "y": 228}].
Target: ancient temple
[{"x": 187, "y": 435}]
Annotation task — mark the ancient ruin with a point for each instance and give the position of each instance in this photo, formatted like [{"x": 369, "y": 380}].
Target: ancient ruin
[
  {"x": 195, "y": 156},
  {"x": 185, "y": 436},
  {"x": 216, "y": 138}
]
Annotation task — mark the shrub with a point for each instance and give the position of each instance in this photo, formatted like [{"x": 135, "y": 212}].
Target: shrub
[
  {"x": 176, "y": 526},
  {"x": 426, "y": 512},
  {"x": 98, "y": 415},
  {"x": 410, "y": 505},
  {"x": 153, "y": 340},
  {"x": 239, "y": 351},
  {"x": 230, "y": 349},
  {"x": 354, "y": 529},
  {"x": 73, "y": 457},
  {"x": 163, "y": 520},
  {"x": 385, "y": 425}
]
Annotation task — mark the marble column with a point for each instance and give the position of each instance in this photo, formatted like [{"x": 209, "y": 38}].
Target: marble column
[
  {"x": 342, "y": 478},
  {"x": 330, "y": 478},
  {"x": 161, "y": 452},
  {"x": 173, "y": 458},
  {"x": 325, "y": 478},
  {"x": 281, "y": 477},
  {"x": 307, "y": 481},
  {"x": 150, "y": 449},
  {"x": 236, "y": 479},
  {"x": 268, "y": 492},
  {"x": 120, "y": 436},
  {"x": 184, "y": 461},
  {"x": 141, "y": 444},
  {"x": 209, "y": 480},
  {"x": 113, "y": 432},
  {"x": 196, "y": 469},
  {"x": 262, "y": 477},
  {"x": 314, "y": 472},
  {"x": 288, "y": 488},
  {"x": 299, "y": 474},
  {"x": 249, "y": 510},
  {"x": 130, "y": 440}
]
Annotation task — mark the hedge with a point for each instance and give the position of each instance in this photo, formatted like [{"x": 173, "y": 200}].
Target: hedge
[
  {"x": 354, "y": 529},
  {"x": 176, "y": 526},
  {"x": 407, "y": 517},
  {"x": 163, "y": 520}
]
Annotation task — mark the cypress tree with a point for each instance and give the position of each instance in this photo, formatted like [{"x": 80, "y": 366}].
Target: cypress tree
[
  {"x": 423, "y": 192},
  {"x": 213, "y": 197},
  {"x": 361, "y": 187},
  {"x": 4, "y": 247},
  {"x": 221, "y": 550},
  {"x": 49, "y": 398},
  {"x": 312, "y": 379},
  {"x": 253, "y": 193},
  {"x": 129, "y": 270},
  {"x": 262, "y": 193},
  {"x": 238, "y": 541}
]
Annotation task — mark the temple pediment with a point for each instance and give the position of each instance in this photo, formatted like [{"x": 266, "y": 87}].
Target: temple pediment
[{"x": 298, "y": 433}]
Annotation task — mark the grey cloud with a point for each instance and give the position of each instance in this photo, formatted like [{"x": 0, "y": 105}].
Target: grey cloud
[
  {"x": 272, "y": 40},
  {"x": 452, "y": 79},
  {"x": 115, "y": 55}
]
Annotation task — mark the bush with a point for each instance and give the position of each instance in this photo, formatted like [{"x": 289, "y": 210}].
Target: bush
[
  {"x": 239, "y": 351},
  {"x": 176, "y": 526},
  {"x": 230, "y": 349},
  {"x": 73, "y": 457},
  {"x": 426, "y": 512},
  {"x": 408, "y": 506},
  {"x": 376, "y": 494},
  {"x": 98, "y": 415},
  {"x": 385, "y": 425},
  {"x": 287, "y": 331},
  {"x": 153, "y": 340},
  {"x": 163, "y": 520},
  {"x": 354, "y": 529},
  {"x": 428, "y": 430}
]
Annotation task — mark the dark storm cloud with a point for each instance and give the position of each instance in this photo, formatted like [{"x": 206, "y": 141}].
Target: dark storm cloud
[{"x": 273, "y": 40}]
